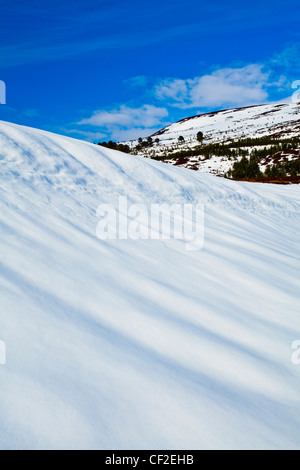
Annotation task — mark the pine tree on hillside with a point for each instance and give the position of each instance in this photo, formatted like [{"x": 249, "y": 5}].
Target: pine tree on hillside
[{"x": 200, "y": 137}]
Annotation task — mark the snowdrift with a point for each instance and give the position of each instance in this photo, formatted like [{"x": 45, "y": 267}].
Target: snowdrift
[{"x": 125, "y": 344}]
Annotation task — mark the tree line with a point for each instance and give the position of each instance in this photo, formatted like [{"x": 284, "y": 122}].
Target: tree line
[{"x": 250, "y": 169}]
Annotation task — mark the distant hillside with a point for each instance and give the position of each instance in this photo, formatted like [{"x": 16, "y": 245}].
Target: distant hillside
[{"x": 261, "y": 131}]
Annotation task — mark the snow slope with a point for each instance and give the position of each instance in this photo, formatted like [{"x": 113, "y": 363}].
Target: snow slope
[{"x": 140, "y": 344}]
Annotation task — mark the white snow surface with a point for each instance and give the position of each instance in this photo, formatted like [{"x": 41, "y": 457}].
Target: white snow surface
[{"x": 141, "y": 344}]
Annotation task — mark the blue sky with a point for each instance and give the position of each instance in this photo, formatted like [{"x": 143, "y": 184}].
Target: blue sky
[{"x": 97, "y": 70}]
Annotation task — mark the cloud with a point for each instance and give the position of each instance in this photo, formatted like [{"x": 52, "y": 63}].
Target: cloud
[
  {"x": 288, "y": 59},
  {"x": 175, "y": 89},
  {"x": 224, "y": 87},
  {"x": 55, "y": 31},
  {"x": 31, "y": 112},
  {"x": 88, "y": 135},
  {"x": 132, "y": 134},
  {"x": 136, "y": 82},
  {"x": 126, "y": 122}
]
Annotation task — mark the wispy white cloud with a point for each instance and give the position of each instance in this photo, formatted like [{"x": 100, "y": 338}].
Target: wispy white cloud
[
  {"x": 174, "y": 89},
  {"x": 57, "y": 31},
  {"x": 138, "y": 81},
  {"x": 224, "y": 87},
  {"x": 123, "y": 135},
  {"x": 127, "y": 122},
  {"x": 31, "y": 112},
  {"x": 145, "y": 116},
  {"x": 87, "y": 135},
  {"x": 288, "y": 58}
]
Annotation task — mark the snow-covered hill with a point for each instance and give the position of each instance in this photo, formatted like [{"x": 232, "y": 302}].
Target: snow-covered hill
[
  {"x": 127, "y": 344},
  {"x": 281, "y": 120},
  {"x": 278, "y": 120}
]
